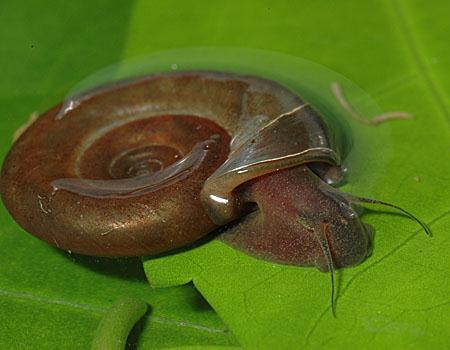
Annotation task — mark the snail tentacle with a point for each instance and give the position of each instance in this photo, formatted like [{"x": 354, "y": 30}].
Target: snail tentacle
[
  {"x": 322, "y": 238},
  {"x": 358, "y": 199}
]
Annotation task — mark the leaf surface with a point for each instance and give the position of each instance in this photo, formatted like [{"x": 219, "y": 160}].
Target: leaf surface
[{"x": 395, "y": 51}]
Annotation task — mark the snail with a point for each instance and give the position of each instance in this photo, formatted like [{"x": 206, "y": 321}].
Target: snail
[{"x": 152, "y": 164}]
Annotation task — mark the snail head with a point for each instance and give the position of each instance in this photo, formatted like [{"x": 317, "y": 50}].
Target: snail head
[{"x": 300, "y": 220}]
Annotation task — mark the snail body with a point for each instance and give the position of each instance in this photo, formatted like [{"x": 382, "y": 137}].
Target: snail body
[{"x": 153, "y": 164}]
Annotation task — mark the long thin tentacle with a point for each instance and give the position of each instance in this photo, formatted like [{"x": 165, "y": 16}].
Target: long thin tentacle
[
  {"x": 324, "y": 245},
  {"x": 376, "y": 201}
]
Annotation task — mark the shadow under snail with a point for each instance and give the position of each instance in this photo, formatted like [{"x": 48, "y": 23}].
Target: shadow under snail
[{"x": 152, "y": 164}]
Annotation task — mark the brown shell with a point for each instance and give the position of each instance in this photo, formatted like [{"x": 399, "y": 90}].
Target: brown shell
[{"x": 152, "y": 122}]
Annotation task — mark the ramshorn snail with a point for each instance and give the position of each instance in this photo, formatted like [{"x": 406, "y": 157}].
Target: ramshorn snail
[{"x": 153, "y": 164}]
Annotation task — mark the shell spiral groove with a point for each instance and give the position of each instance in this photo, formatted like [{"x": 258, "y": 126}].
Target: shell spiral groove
[{"x": 153, "y": 164}]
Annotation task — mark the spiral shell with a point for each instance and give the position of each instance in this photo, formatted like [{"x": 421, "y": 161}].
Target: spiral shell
[{"x": 152, "y": 164}]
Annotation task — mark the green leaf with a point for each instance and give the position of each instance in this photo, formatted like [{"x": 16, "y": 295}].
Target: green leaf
[{"x": 396, "y": 51}]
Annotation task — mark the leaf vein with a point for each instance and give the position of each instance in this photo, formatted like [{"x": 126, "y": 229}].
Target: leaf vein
[{"x": 100, "y": 310}]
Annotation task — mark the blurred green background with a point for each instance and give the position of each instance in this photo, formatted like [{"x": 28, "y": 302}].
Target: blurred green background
[{"x": 396, "y": 51}]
